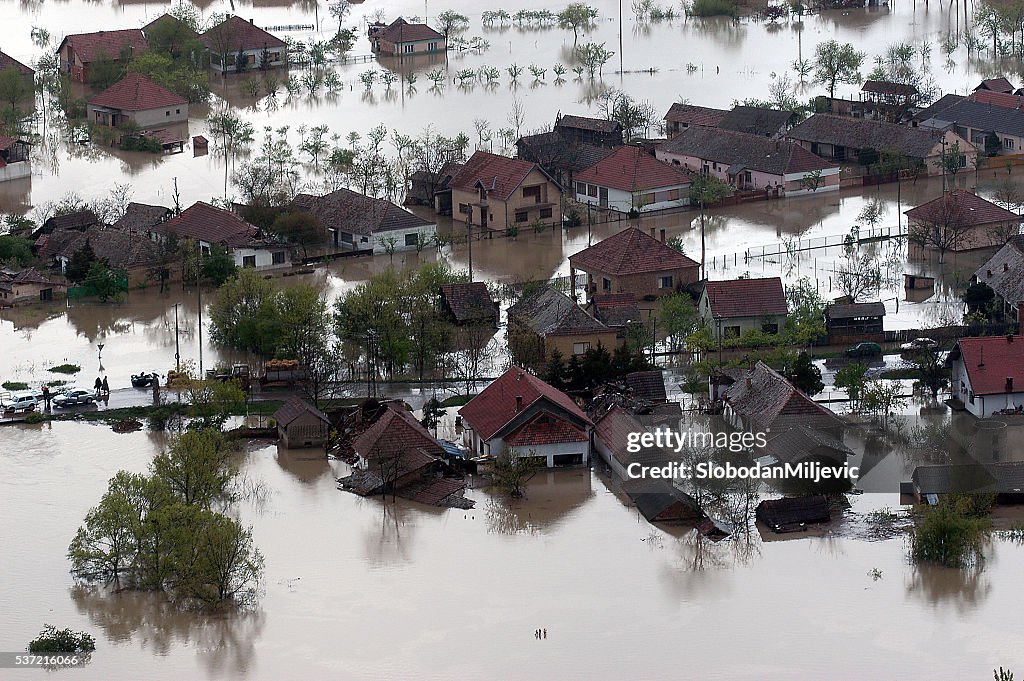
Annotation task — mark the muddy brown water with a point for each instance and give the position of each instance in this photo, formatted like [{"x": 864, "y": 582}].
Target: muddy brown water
[{"x": 352, "y": 592}]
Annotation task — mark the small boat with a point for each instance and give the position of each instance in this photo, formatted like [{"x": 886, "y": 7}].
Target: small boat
[{"x": 143, "y": 380}]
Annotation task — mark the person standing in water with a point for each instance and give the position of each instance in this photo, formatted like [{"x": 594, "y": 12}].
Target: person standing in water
[{"x": 106, "y": 386}]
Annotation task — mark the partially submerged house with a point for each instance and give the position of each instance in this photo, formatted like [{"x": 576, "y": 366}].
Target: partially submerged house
[
  {"x": 979, "y": 116},
  {"x": 801, "y": 444},
  {"x": 133, "y": 253},
  {"x": 405, "y": 39},
  {"x": 493, "y": 192},
  {"x": 1004, "y": 273},
  {"x": 857, "y": 140},
  {"x": 137, "y": 101},
  {"x": 987, "y": 374},
  {"x": 756, "y": 120},
  {"x": 211, "y": 227},
  {"x": 357, "y": 221},
  {"x": 682, "y": 116},
  {"x": 750, "y": 162},
  {"x": 79, "y": 51},
  {"x": 761, "y": 400},
  {"x": 237, "y": 45},
  {"x": 599, "y": 132},
  {"x": 469, "y": 302},
  {"x": 960, "y": 220},
  {"x": 521, "y": 414},
  {"x": 546, "y": 321},
  {"x": 27, "y": 73},
  {"x": 878, "y": 100},
  {"x": 300, "y": 424},
  {"x": 731, "y": 308},
  {"x": 851, "y": 323},
  {"x": 630, "y": 179},
  {"x": 793, "y": 513},
  {"x": 433, "y": 188},
  {"x": 22, "y": 287},
  {"x": 1005, "y": 480},
  {"x": 632, "y": 261},
  {"x": 14, "y": 158}
]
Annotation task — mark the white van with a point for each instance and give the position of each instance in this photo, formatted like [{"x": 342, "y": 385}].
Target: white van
[{"x": 22, "y": 400}]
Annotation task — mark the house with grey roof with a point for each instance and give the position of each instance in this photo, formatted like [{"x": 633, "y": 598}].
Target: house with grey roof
[
  {"x": 681, "y": 116},
  {"x": 981, "y": 114},
  {"x": 761, "y": 400},
  {"x": 849, "y": 323},
  {"x": 546, "y": 321},
  {"x": 756, "y": 120},
  {"x": 600, "y": 132},
  {"x": 1004, "y": 272},
  {"x": 750, "y": 162},
  {"x": 852, "y": 140},
  {"x": 359, "y": 222}
]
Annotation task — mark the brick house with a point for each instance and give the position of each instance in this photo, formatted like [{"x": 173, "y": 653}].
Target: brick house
[
  {"x": 79, "y": 51},
  {"x": 987, "y": 373},
  {"x": 548, "y": 320},
  {"x": 237, "y": 45},
  {"x": 496, "y": 192},
  {"x": 137, "y": 100},
  {"x": 521, "y": 414},
  {"x": 731, "y": 308},
  {"x": 750, "y": 162},
  {"x": 634, "y": 262},
  {"x": 960, "y": 220},
  {"x": 631, "y": 179},
  {"x": 401, "y": 38},
  {"x": 300, "y": 424}
]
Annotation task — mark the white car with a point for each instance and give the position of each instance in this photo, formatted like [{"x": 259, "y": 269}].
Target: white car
[
  {"x": 74, "y": 396},
  {"x": 920, "y": 344},
  {"x": 22, "y": 400}
]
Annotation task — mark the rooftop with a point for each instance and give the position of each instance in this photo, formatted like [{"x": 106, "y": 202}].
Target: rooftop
[
  {"x": 235, "y": 34},
  {"x": 396, "y": 433},
  {"x": 549, "y": 312},
  {"x": 631, "y": 251},
  {"x": 999, "y": 84},
  {"x": 631, "y": 169},
  {"x": 7, "y": 61},
  {"x": 296, "y": 407},
  {"x": 499, "y": 175},
  {"x": 135, "y": 92},
  {"x": 586, "y": 123},
  {"x": 779, "y": 513},
  {"x": 756, "y": 120},
  {"x": 213, "y": 225},
  {"x": 885, "y": 87},
  {"x": 746, "y": 298},
  {"x": 992, "y": 362},
  {"x": 999, "y": 478},
  {"x": 357, "y": 213},
  {"x": 401, "y": 31},
  {"x": 769, "y": 402},
  {"x": 863, "y": 133},
  {"x": 141, "y": 217},
  {"x": 1004, "y": 271},
  {"x": 90, "y": 46},
  {"x": 755, "y": 152},
  {"x": 961, "y": 208},
  {"x": 469, "y": 301},
  {"x": 854, "y": 310},
  {"x": 120, "y": 248},
  {"x": 690, "y": 114}
]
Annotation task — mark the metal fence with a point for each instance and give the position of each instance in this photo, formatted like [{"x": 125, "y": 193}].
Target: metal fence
[{"x": 827, "y": 241}]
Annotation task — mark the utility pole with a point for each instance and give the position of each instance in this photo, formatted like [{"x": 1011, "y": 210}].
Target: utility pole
[
  {"x": 199, "y": 297},
  {"x": 469, "y": 244},
  {"x": 177, "y": 343}
]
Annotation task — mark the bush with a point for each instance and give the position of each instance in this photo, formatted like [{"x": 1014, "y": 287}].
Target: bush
[
  {"x": 14, "y": 385},
  {"x": 65, "y": 369},
  {"x": 946, "y": 537},
  {"x": 34, "y": 417},
  {"x": 50, "y": 640},
  {"x": 713, "y": 8}
]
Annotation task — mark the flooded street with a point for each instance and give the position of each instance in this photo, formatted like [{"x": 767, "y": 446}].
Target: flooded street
[{"x": 354, "y": 593}]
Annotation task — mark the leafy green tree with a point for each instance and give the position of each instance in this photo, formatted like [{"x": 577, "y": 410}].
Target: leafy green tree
[
  {"x": 706, "y": 190},
  {"x": 241, "y": 313},
  {"x": 79, "y": 263},
  {"x": 933, "y": 372},
  {"x": 806, "y": 376},
  {"x": 104, "y": 70},
  {"x": 450, "y": 21},
  {"x": 945, "y": 537},
  {"x": 881, "y": 398},
  {"x": 512, "y": 473},
  {"x": 102, "y": 281},
  {"x": 852, "y": 378},
  {"x": 15, "y": 250},
  {"x": 554, "y": 372},
  {"x": 679, "y": 319},
  {"x": 197, "y": 467},
  {"x": 51, "y": 640},
  {"x": 576, "y": 16},
  {"x": 15, "y": 89},
  {"x": 836, "y": 62},
  {"x": 806, "y": 321},
  {"x": 300, "y": 228},
  {"x": 978, "y": 296},
  {"x": 218, "y": 266}
]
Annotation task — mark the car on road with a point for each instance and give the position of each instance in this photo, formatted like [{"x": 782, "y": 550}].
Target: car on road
[
  {"x": 74, "y": 396},
  {"x": 22, "y": 400},
  {"x": 919, "y": 344},
  {"x": 866, "y": 349}
]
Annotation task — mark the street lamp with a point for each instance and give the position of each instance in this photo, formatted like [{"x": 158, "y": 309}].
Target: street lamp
[{"x": 99, "y": 355}]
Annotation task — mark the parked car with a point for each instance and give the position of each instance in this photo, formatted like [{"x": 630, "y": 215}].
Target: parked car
[
  {"x": 865, "y": 349},
  {"x": 74, "y": 396},
  {"x": 23, "y": 400},
  {"x": 919, "y": 344}
]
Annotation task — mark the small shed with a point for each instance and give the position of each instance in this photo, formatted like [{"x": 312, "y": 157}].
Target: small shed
[
  {"x": 855, "y": 323},
  {"x": 300, "y": 424},
  {"x": 200, "y": 146},
  {"x": 793, "y": 513}
]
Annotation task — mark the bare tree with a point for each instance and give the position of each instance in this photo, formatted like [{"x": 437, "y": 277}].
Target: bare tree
[
  {"x": 942, "y": 225},
  {"x": 517, "y": 116},
  {"x": 857, "y": 274}
]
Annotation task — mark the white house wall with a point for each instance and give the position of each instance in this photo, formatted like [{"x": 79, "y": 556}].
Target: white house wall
[
  {"x": 622, "y": 201},
  {"x": 427, "y": 232}
]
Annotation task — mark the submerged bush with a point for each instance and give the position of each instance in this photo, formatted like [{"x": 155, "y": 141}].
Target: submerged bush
[
  {"x": 65, "y": 369},
  {"x": 52, "y": 640},
  {"x": 713, "y": 8},
  {"x": 944, "y": 536}
]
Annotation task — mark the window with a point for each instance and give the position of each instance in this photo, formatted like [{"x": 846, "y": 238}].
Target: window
[
  {"x": 205, "y": 250},
  {"x": 277, "y": 258},
  {"x": 770, "y": 328},
  {"x": 963, "y": 160},
  {"x": 1007, "y": 143},
  {"x": 249, "y": 261},
  {"x": 409, "y": 48},
  {"x": 346, "y": 237},
  {"x": 465, "y": 209},
  {"x": 432, "y": 46},
  {"x": 581, "y": 188},
  {"x": 412, "y": 239},
  {"x": 545, "y": 212},
  {"x": 532, "y": 193},
  {"x": 665, "y": 282},
  {"x": 580, "y": 348},
  {"x": 167, "y": 113},
  {"x": 606, "y": 284},
  {"x": 732, "y": 332},
  {"x": 177, "y": 111},
  {"x": 522, "y": 216},
  {"x": 591, "y": 190},
  {"x": 747, "y": 177}
]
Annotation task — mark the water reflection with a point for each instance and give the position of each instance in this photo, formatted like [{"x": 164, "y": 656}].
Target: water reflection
[
  {"x": 305, "y": 465},
  {"x": 965, "y": 589},
  {"x": 225, "y": 643}
]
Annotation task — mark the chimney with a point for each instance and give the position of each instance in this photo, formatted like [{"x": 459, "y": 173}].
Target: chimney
[
  {"x": 519, "y": 403},
  {"x": 1009, "y": 384},
  {"x": 251, "y": 21},
  {"x": 662, "y": 236},
  {"x": 989, "y": 273},
  {"x": 1006, "y": 267},
  {"x": 1009, "y": 338}
]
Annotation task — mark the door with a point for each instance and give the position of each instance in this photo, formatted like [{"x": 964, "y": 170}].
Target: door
[{"x": 602, "y": 197}]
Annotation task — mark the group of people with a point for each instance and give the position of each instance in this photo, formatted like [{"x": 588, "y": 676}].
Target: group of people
[{"x": 101, "y": 386}]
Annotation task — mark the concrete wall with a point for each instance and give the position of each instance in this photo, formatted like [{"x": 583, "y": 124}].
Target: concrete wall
[
  {"x": 624, "y": 201},
  {"x": 264, "y": 257},
  {"x": 640, "y": 285},
  {"x": 548, "y": 452},
  {"x": 418, "y": 46},
  {"x": 15, "y": 171},
  {"x": 427, "y": 232}
]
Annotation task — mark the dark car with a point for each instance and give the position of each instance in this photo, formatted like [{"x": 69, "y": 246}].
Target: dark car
[
  {"x": 866, "y": 349},
  {"x": 74, "y": 396}
]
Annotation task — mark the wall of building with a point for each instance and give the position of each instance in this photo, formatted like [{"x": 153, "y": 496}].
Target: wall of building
[
  {"x": 549, "y": 451},
  {"x": 981, "y": 406},
  {"x": 277, "y": 57},
  {"x": 154, "y": 118},
  {"x": 566, "y": 344},
  {"x": 675, "y": 196},
  {"x": 641, "y": 285},
  {"x": 264, "y": 257},
  {"x": 417, "y": 47},
  {"x": 305, "y": 431},
  {"x": 745, "y": 324},
  {"x": 992, "y": 235},
  {"x": 399, "y": 235},
  {"x": 15, "y": 171}
]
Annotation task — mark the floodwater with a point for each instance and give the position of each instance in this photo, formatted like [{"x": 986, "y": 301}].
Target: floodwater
[{"x": 353, "y": 592}]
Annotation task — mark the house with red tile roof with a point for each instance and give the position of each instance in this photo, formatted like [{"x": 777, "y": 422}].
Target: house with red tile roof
[
  {"x": 237, "y": 45},
  {"x": 750, "y": 162},
  {"x": 139, "y": 101},
  {"x": 631, "y": 179},
  {"x": 521, "y": 414},
  {"x": 212, "y": 227},
  {"x": 492, "y": 192},
  {"x": 28, "y": 286},
  {"x": 731, "y": 308},
  {"x": 28, "y": 75},
  {"x": 959, "y": 220},
  {"x": 987, "y": 374},
  {"x": 401, "y": 38},
  {"x": 633, "y": 261},
  {"x": 79, "y": 51}
]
